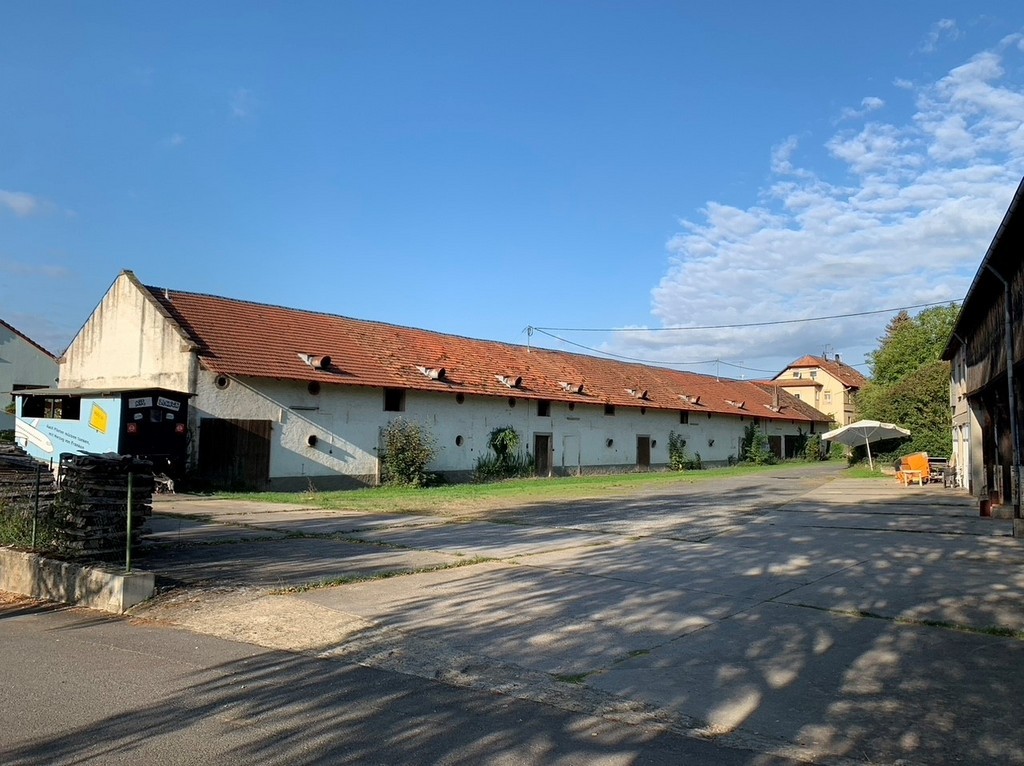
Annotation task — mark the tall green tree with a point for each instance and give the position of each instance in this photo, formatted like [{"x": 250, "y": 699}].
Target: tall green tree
[{"x": 909, "y": 384}]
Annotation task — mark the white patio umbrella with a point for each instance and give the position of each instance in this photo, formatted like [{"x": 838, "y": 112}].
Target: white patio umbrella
[{"x": 864, "y": 432}]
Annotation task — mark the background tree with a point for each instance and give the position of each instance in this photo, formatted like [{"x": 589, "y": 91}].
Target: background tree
[{"x": 909, "y": 384}]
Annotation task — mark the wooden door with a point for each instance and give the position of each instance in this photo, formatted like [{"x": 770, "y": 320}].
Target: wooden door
[
  {"x": 235, "y": 454},
  {"x": 643, "y": 452},
  {"x": 542, "y": 454}
]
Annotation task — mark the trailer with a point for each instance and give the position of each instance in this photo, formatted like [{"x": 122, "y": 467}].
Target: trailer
[{"x": 146, "y": 423}]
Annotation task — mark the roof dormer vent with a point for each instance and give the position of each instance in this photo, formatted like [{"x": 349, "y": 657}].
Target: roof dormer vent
[
  {"x": 512, "y": 381},
  {"x": 737, "y": 405},
  {"x": 690, "y": 399},
  {"x": 315, "y": 361},
  {"x": 572, "y": 388},
  {"x": 434, "y": 373},
  {"x": 637, "y": 393}
]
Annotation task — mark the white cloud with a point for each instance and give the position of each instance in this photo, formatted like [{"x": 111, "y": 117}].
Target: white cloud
[
  {"x": 242, "y": 104},
  {"x": 867, "y": 105},
  {"x": 908, "y": 224},
  {"x": 943, "y": 29},
  {"x": 20, "y": 203}
]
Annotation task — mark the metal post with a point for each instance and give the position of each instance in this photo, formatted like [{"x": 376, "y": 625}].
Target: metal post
[
  {"x": 35, "y": 513},
  {"x": 128, "y": 540}
]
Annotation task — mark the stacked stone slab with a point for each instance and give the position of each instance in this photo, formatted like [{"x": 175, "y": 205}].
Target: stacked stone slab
[
  {"x": 93, "y": 502},
  {"x": 21, "y": 478}
]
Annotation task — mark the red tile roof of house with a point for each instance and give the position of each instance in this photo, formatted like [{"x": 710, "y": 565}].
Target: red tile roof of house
[
  {"x": 241, "y": 338},
  {"x": 841, "y": 371},
  {"x": 796, "y": 382},
  {"x": 27, "y": 339}
]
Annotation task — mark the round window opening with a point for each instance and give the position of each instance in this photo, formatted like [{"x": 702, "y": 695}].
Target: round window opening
[
  {"x": 654, "y": 443},
  {"x": 222, "y": 381},
  {"x": 460, "y": 398},
  {"x": 610, "y": 442},
  {"x": 572, "y": 406},
  {"x": 458, "y": 441},
  {"x": 314, "y": 387},
  {"x": 643, "y": 410},
  {"x": 511, "y": 401}
]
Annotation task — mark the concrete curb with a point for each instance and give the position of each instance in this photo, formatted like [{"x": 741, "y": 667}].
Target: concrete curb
[{"x": 29, "y": 574}]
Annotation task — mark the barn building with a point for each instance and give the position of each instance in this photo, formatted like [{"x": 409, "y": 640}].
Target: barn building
[
  {"x": 985, "y": 350},
  {"x": 280, "y": 398}
]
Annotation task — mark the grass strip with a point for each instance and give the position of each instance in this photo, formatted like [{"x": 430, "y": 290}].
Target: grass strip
[
  {"x": 987, "y": 630},
  {"x": 517, "y": 492}
]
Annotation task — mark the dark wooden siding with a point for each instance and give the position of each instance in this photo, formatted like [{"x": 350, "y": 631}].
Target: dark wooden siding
[{"x": 235, "y": 454}]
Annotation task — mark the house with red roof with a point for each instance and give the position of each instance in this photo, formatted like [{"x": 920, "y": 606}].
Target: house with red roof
[
  {"x": 281, "y": 398},
  {"x": 24, "y": 364},
  {"x": 828, "y": 385}
]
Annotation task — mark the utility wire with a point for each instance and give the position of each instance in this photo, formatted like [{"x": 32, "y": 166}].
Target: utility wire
[
  {"x": 659, "y": 362},
  {"x": 744, "y": 324}
]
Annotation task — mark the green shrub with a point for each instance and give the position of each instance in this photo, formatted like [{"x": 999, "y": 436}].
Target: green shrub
[
  {"x": 813, "y": 450},
  {"x": 678, "y": 460},
  {"x": 16, "y": 526},
  {"x": 755, "y": 446},
  {"x": 507, "y": 461},
  {"x": 406, "y": 450}
]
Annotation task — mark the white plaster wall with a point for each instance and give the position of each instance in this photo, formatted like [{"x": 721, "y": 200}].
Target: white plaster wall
[
  {"x": 347, "y": 420},
  {"x": 127, "y": 342},
  {"x": 21, "y": 364}
]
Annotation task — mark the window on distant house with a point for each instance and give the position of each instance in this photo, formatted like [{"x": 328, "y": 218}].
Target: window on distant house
[
  {"x": 814, "y": 374},
  {"x": 796, "y": 374},
  {"x": 797, "y": 395},
  {"x": 828, "y": 397},
  {"x": 543, "y": 408},
  {"x": 609, "y": 409},
  {"x": 684, "y": 417},
  {"x": 394, "y": 400}
]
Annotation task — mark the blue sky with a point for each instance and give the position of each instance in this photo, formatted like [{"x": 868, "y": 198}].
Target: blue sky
[{"x": 475, "y": 168}]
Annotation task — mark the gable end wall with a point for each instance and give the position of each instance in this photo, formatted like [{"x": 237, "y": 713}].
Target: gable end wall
[{"x": 128, "y": 342}]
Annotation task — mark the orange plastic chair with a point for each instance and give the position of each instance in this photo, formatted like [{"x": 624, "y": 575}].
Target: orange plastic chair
[{"x": 914, "y": 468}]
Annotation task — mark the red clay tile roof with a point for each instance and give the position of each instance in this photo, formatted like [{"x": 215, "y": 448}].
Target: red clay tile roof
[
  {"x": 27, "y": 339},
  {"x": 841, "y": 371},
  {"x": 796, "y": 382},
  {"x": 241, "y": 338}
]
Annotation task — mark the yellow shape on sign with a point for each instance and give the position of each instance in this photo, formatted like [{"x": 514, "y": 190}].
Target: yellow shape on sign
[{"x": 98, "y": 419}]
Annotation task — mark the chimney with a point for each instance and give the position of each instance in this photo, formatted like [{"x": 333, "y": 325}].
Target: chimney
[{"x": 838, "y": 358}]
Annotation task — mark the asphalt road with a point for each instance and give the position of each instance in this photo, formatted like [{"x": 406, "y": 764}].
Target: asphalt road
[{"x": 84, "y": 688}]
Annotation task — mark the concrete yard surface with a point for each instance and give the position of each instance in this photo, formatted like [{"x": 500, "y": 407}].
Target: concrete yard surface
[{"x": 792, "y": 613}]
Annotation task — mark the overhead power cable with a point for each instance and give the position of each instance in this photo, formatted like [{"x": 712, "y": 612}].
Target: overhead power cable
[
  {"x": 659, "y": 362},
  {"x": 744, "y": 324}
]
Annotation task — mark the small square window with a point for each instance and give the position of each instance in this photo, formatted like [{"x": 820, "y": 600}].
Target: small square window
[
  {"x": 684, "y": 417},
  {"x": 609, "y": 409},
  {"x": 543, "y": 408},
  {"x": 394, "y": 400}
]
